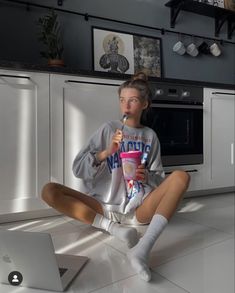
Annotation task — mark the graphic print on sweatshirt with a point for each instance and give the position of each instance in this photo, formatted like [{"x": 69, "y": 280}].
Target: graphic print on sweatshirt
[{"x": 129, "y": 143}]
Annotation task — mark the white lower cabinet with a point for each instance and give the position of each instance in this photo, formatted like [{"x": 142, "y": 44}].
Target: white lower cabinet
[
  {"x": 24, "y": 141},
  {"x": 46, "y": 119},
  {"x": 79, "y": 106},
  {"x": 219, "y": 136},
  {"x": 197, "y": 177},
  {"x": 217, "y": 173}
]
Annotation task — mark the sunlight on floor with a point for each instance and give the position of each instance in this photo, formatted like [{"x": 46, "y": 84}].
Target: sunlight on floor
[
  {"x": 24, "y": 225},
  {"x": 79, "y": 242},
  {"x": 39, "y": 225},
  {"x": 191, "y": 207}
]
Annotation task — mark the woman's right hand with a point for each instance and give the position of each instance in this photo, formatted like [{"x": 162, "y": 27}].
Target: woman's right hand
[
  {"x": 115, "y": 143},
  {"x": 113, "y": 147}
]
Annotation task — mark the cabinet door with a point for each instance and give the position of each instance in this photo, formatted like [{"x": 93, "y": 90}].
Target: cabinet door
[
  {"x": 220, "y": 137},
  {"x": 24, "y": 144},
  {"x": 79, "y": 107}
]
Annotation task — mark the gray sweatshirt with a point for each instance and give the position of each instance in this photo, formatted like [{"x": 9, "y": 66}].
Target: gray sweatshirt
[{"x": 104, "y": 181}]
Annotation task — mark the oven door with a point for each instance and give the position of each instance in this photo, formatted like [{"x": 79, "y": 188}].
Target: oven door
[{"x": 179, "y": 128}]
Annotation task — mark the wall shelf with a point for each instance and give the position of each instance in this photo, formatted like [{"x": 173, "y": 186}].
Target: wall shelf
[
  {"x": 87, "y": 17},
  {"x": 220, "y": 15}
]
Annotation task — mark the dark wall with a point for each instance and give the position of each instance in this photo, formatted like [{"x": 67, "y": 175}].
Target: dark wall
[{"x": 18, "y": 35}]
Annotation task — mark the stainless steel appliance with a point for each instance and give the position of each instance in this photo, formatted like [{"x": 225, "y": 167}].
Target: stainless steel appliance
[{"x": 176, "y": 114}]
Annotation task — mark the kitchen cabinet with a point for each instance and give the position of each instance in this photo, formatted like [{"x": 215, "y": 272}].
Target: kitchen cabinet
[
  {"x": 45, "y": 119},
  {"x": 24, "y": 145},
  {"x": 197, "y": 177},
  {"x": 219, "y": 132},
  {"x": 217, "y": 173},
  {"x": 79, "y": 105}
]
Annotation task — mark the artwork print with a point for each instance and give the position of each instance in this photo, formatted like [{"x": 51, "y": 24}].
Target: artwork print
[{"x": 117, "y": 52}]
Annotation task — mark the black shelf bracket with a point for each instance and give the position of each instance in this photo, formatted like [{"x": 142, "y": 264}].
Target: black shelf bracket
[
  {"x": 175, "y": 12},
  {"x": 219, "y": 22},
  {"x": 86, "y": 17},
  {"x": 221, "y": 15},
  {"x": 230, "y": 28}
]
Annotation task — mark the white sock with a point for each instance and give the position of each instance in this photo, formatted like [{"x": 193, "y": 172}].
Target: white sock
[
  {"x": 126, "y": 234},
  {"x": 139, "y": 254}
]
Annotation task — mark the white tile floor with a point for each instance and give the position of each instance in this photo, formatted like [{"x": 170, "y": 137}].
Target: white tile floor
[{"x": 194, "y": 254}]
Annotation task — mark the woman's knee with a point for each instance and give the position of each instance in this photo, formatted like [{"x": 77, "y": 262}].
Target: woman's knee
[
  {"x": 49, "y": 192},
  {"x": 182, "y": 176}
]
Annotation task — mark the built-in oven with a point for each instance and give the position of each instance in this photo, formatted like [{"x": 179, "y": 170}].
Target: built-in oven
[{"x": 176, "y": 115}]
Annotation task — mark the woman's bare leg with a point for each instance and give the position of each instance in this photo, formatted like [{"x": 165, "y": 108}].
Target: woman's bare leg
[
  {"x": 71, "y": 202},
  {"x": 157, "y": 209},
  {"x": 86, "y": 209},
  {"x": 165, "y": 198}
]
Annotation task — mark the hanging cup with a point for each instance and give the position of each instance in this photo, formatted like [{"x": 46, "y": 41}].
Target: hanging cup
[
  {"x": 204, "y": 48},
  {"x": 215, "y": 50},
  {"x": 179, "y": 48},
  {"x": 192, "y": 50}
]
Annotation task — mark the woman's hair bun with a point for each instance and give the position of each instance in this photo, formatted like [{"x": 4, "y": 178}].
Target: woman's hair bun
[{"x": 140, "y": 75}]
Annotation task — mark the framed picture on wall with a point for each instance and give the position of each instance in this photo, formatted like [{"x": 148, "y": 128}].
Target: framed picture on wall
[{"x": 121, "y": 52}]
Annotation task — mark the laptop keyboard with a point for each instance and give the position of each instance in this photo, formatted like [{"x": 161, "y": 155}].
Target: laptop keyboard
[{"x": 62, "y": 271}]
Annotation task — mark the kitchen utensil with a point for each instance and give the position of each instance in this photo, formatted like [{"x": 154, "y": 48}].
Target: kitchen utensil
[{"x": 124, "y": 119}]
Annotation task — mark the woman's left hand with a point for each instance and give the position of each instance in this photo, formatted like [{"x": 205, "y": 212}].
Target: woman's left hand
[{"x": 141, "y": 173}]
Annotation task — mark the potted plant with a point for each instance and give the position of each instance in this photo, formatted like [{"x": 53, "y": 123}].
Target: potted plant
[{"x": 50, "y": 36}]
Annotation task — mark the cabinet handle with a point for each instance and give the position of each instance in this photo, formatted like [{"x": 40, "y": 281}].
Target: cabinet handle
[
  {"x": 188, "y": 171},
  {"x": 232, "y": 153},
  {"x": 222, "y": 93},
  {"x": 15, "y": 76},
  {"x": 91, "y": 82}
]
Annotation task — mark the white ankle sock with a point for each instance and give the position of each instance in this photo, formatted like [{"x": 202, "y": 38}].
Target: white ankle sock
[
  {"x": 126, "y": 234},
  {"x": 139, "y": 254}
]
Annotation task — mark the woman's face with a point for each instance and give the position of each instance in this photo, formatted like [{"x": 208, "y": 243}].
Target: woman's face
[{"x": 131, "y": 103}]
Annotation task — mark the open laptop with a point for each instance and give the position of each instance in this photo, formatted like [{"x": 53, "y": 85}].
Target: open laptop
[{"x": 32, "y": 254}]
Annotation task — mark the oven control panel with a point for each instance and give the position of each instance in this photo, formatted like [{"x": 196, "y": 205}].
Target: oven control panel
[{"x": 173, "y": 93}]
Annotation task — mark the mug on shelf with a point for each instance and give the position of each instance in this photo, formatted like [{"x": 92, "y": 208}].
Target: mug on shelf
[
  {"x": 179, "y": 48},
  {"x": 204, "y": 48},
  {"x": 192, "y": 50},
  {"x": 215, "y": 50}
]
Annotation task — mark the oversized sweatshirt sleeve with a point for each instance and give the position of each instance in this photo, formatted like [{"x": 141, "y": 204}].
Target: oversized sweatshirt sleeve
[
  {"x": 85, "y": 165},
  {"x": 156, "y": 173}
]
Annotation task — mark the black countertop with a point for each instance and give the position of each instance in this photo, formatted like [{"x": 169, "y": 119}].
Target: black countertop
[{"x": 12, "y": 65}]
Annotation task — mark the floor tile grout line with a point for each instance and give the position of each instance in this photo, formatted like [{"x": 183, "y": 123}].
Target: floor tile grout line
[
  {"x": 131, "y": 276},
  {"x": 116, "y": 249},
  {"x": 210, "y": 227},
  {"x": 172, "y": 259},
  {"x": 79, "y": 222},
  {"x": 192, "y": 252},
  {"x": 120, "y": 280},
  {"x": 175, "y": 284}
]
